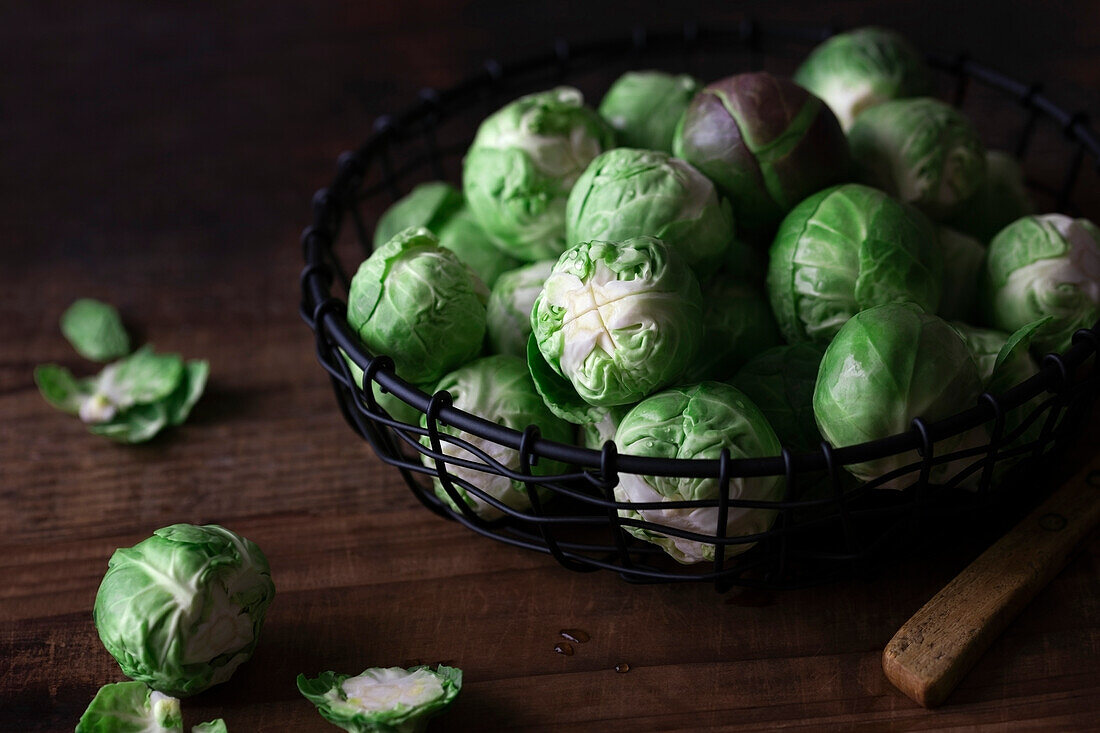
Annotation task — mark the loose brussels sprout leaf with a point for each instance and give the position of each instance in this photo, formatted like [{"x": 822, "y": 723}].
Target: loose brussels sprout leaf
[
  {"x": 626, "y": 193},
  {"x": 844, "y": 250},
  {"x": 95, "y": 330},
  {"x": 1001, "y": 199},
  {"x": 142, "y": 378},
  {"x": 696, "y": 422},
  {"x": 136, "y": 424},
  {"x": 396, "y": 407},
  {"x": 1014, "y": 364},
  {"x": 619, "y": 320},
  {"x": 737, "y": 325},
  {"x": 557, "y": 392},
  {"x": 131, "y": 707},
  {"x": 464, "y": 236},
  {"x": 921, "y": 150},
  {"x": 524, "y": 160},
  {"x": 984, "y": 345},
  {"x": 183, "y": 609},
  {"x": 428, "y": 205},
  {"x": 508, "y": 316},
  {"x": 781, "y": 383},
  {"x": 213, "y": 726},
  {"x": 859, "y": 69},
  {"x": 383, "y": 699},
  {"x": 766, "y": 143},
  {"x": 416, "y": 302},
  {"x": 644, "y": 107},
  {"x": 187, "y": 393},
  {"x": 1041, "y": 266},
  {"x": 61, "y": 389},
  {"x": 963, "y": 264},
  {"x": 595, "y": 434},
  {"x": 886, "y": 366},
  {"x": 498, "y": 389}
]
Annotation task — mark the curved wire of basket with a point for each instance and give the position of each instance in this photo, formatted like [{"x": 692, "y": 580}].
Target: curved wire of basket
[{"x": 824, "y": 526}]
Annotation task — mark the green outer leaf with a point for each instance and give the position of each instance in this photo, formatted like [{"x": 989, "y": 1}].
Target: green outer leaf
[
  {"x": 428, "y": 205},
  {"x": 142, "y": 378},
  {"x": 212, "y": 726},
  {"x": 61, "y": 389},
  {"x": 862, "y": 68},
  {"x": 984, "y": 344},
  {"x": 696, "y": 422},
  {"x": 130, "y": 707},
  {"x": 498, "y": 389},
  {"x": 418, "y": 303},
  {"x": 846, "y": 249},
  {"x": 781, "y": 381},
  {"x": 135, "y": 424},
  {"x": 95, "y": 330},
  {"x": 886, "y": 366},
  {"x": 626, "y": 193},
  {"x": 183, "y": 609},
  {"x": 326, "y": 692},
  {"x": 644, "y": 107},
  {"x": 921, "y": 150},
  {"x": 190, "y": 388},
  {"x": 557, "y": 391}
]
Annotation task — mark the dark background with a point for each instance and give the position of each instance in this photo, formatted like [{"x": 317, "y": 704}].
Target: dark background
[{"x": 162, "y": 156}]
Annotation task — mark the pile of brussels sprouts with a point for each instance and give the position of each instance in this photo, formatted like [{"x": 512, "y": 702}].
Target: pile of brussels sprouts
[{"x": 738, "y": 266}]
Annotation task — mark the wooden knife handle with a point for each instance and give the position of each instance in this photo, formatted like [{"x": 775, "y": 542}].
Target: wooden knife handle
[{"x": 942, "y": 641}]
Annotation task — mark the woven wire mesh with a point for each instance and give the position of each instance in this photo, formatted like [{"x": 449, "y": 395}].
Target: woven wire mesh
[{"x": 825, "y": 525}]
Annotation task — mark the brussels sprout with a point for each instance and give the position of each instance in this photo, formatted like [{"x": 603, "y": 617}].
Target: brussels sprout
[
  {"x": 383, "y": 699},
  {"x": 132, "y": 399},
  {"x": 859, "y": 69},
  {"x": 696, "y": 422},
  {"x": 595, "y": 434},
  {"x": 464, "y": 236},
  {"x": 416, "y": 302},
  {"x": 737, "y": 325},
  {"x": 1045, "y": 265},
  {"x": 626, "y": 193},
  {"x": 619, "y": 320},
  {"x": 921, "y": 150},
  {"x": 644, "y": 107},
  {"x": 963, "y": 264},
  {"x": 131, "y": 707},
  {"x": 844, "y": 250},
  {"x": 213, "y": 726},
  {"x": 498, "y": 389},
  {"x": 557, "y": 392},
  {"x": 886, "y": 366},
  {"x": 524, "y": 160},
  {"x": 95, "y": 330},
  {"x": 182, "y": 609},
  {"x": 781, "y": 382},
  {"x": 1001, "y": 199},
  {"x": 508, "y": 317},
  {"x": 428, "y": 205},
  {"x": 984, "y": 345},
  {"x": 396, "y": 407},
  {"x": 766, "y": 143}
]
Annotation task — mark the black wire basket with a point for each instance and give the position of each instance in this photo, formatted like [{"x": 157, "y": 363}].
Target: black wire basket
[{"x": 825, "y": 528}]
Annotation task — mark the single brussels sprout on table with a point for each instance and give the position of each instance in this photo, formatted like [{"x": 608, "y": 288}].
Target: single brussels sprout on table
[
  {"x": 508, "y": 317},
  {"x": 780, "y": 382},
  {"x": 417, "y": 303},
  {"x": 1001, "y": 199},
  {"x": 383, "y": 699},
  {"x": 626, "y": 193},
  {"x": 846, "y": 249},
  {"x": 737, "y": 325},
  {"x": 183, "y": 609},
  {"x": 888, "y": 365},
  {"x": 766, "y": 143},
  {"x": 95, "y": 330},
  {"x": 1041, "y": 266},
  {"x": 619, "y": 320},
  {"x": 522, "y": 164},
  {"x": 644, "y": 107},
  {"x": 963, "y": 265},
  {"x": 923, "y": 151},
  {"x": 131, "y": 707},
  {"x": 696, "y": 422},
  {"x": 498, "y": 389},
  {"x": 859, "y": 69}
]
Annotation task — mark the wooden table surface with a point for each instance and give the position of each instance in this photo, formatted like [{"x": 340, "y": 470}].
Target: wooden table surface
[{"x": 162, "y": 157}]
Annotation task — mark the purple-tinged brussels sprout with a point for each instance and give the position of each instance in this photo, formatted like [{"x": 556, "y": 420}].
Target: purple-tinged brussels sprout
[{"x": 766, "y": 142}]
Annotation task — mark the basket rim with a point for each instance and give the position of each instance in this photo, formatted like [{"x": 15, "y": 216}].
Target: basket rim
[{"x": 325, "y": 313}]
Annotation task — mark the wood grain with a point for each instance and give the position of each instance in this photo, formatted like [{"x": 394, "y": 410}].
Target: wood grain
[
  {"x": 162, "y": 156},
  {"x": 934, "y": 650}
]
